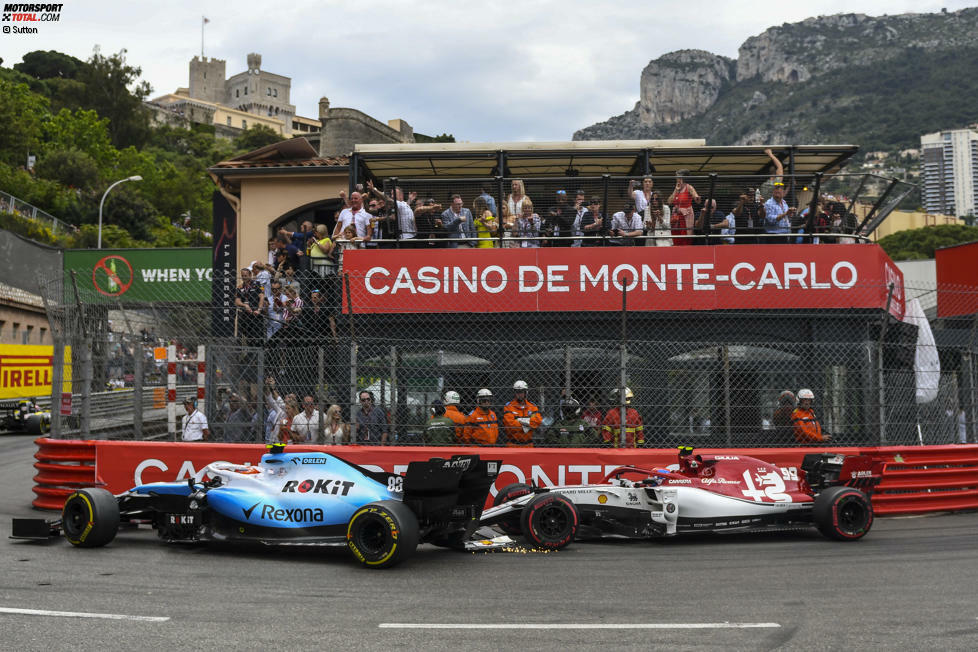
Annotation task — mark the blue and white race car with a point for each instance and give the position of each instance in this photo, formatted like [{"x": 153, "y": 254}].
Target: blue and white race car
[{"x": 314, "y": 499}]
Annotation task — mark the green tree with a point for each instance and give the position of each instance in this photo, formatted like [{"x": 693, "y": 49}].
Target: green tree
[
  {"x": 42, "y": 64},
  {"x": 20, "y": 114},
  {"x": 113, "y": 90},
  {"x": 69, "y": 167},
  {"x": 82, "y": 130},
  {"x": 919, "y": 244},
  {"x": 256, "y": 137}
]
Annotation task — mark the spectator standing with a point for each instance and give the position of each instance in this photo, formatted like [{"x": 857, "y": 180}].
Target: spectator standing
[
  {"x": 482, "y": 426},
  {"x": 366, "y": 224},
  {"x": 372, "y": 425},
  {"x": 526, "y": 228},
  {"x": 641, "y": 196},
  {"x": 570, "y": 429},
  {"x": 440, "y": 429},
  {"x": 486, "y": 226},
  {"x": 241, "y": 421},
  {"x": 580, "y": 208},
  {"x": 292, "y": 253},
  {"x": 349, "y": 215},
  {"x": 194, "y": 424},
  {"x": 335, "y": 430},
  {"x": 276, "y": 310},
  {"x": 808, "y": 429},
  {"x": 777, "y": 214},
  {"x": 521, "y": 418},
  {"x": 347, "y": 240},
  {"x": 452, "y": 400},
  {"x": 593, "y": 413},
  {"x": 592, "y": 223},
  {"x": 563, "y": 216},
  {"x": 456, "y": 223},
  {"x": 634, "y": 429},
  {"x": 489, "y": 199},
  {"x": 321, "y": 253},
  {"x": 250, "y": 300},
  {"x": 626, "y": 227},
  {"x": 657, "y": 223},
  {"x": 305, "y": 425},
  {"x": 514, "y": 202},
  {"x": 425, "y": 216},
  {"x": 681, "y": 199}
]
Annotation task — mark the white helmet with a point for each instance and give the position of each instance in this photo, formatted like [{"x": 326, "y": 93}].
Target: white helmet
[
  {"x": 806, "y": 393},
  {"x": 629, "y": 395},
  {"x": 520, "y": 385},
  {"x": 483, "y": 393},
  {"x": 452, "y": 398}
]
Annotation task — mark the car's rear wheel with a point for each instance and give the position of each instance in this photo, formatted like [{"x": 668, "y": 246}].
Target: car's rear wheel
[
  {"x": 90, "y": 518},
  {"x": 37, "y": 423},
  {"x": 843, "y": 513},
  {"x": 383, "y": 533},
  {"x": 550, "y": 521},
  {"x": 511, "y": 524}
]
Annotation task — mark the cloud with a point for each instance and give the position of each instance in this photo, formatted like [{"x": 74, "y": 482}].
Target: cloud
[{"x": 485, "y": 72}]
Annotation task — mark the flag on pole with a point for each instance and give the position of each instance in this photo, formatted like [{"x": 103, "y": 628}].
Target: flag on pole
[{"x": 206, "y": 19}]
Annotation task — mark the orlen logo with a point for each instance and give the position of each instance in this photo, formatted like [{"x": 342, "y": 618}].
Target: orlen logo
[{"x": 321, "y": 486}]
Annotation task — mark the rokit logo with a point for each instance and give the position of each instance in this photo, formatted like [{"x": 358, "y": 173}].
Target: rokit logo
[{"x": 320, "y": 486}]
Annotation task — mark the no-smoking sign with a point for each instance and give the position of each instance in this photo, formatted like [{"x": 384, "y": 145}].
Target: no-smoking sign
[{"x": 112, "y": 276}]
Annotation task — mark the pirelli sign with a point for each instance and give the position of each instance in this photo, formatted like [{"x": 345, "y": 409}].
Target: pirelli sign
[{"x": 27, "y": 370}]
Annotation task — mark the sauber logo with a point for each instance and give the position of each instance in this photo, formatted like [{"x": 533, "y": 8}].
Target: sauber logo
[{"x": 320, "y": 486}]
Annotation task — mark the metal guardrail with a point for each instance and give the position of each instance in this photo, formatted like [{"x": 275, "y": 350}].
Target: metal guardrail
[
  {"x": 15, "y": 206},
  {"x": 113, "y": 410}
]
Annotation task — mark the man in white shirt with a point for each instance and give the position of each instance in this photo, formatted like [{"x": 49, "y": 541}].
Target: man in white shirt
[
  {"x": 626, "y": 226},
  {"x": 194, "y": 424},
  {"x": 305, "y": 425},
  {"x": 406, "y": 225},
  {"x": 366, "y": 223},
  {"x": 349, "y": 215}
]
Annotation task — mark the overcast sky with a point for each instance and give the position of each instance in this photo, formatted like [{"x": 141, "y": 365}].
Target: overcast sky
[{"x": 498, "y": 71}]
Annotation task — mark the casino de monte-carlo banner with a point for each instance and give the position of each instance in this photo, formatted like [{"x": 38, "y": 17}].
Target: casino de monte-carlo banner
[
  {"x": 140, "y": 275},
  {"x": 733, "y": 277}
]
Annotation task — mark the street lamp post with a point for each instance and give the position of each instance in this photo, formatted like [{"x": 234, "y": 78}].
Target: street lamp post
[{"x": 134, "y": 177}]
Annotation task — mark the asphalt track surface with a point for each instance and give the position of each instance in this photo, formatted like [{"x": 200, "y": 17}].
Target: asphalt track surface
[{"x": 912, "y": 583}]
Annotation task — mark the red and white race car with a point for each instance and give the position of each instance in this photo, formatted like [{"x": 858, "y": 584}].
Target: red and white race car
[{"x": 703, "y": 493}]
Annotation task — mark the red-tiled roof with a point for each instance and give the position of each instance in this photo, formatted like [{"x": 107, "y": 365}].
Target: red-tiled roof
[{"x": 314, "y": 162}]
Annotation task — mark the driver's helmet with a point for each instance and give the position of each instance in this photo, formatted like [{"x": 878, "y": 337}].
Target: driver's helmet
[
  {"x": 452, "y": 398},
  {"x": 806, "y": 394},
  {"x": 569, "y": 407}
]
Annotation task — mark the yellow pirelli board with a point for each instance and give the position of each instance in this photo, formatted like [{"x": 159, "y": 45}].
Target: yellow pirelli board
[{"x": 26, "y": 371}]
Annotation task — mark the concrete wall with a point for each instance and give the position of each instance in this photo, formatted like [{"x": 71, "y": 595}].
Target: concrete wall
[{"x": 344, "y": 128}]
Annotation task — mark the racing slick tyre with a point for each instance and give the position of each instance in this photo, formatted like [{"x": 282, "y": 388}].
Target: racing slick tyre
[
  {"x": 511, "y": 524},
  {"x": 37, "y": 423},
  {"x": 550, "y": 521},
  {"x": 90, "y": 518},
  {"x": 842, "y": 513},
  {"x": 383, "y": 533}
]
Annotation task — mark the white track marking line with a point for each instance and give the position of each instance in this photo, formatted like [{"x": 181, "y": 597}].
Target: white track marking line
[
  {"x": 80, "y": 614},
  {"x": 578, "y": 625}
]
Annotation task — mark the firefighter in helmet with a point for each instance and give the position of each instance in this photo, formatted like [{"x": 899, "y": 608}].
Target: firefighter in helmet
[
  {"x": 807, "y": 428},
  {"x": 611, "y": 430},
  {"x": 452, "y": 400},
  {"x": 482, "y": 426}
]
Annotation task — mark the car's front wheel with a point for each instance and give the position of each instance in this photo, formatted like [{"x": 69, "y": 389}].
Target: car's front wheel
[
  {"x": 843, "y": 513},
  {"x": 550, "y": 521},
  {"x": 383, "y": 533},
  {"x": 90, "y": 518}
]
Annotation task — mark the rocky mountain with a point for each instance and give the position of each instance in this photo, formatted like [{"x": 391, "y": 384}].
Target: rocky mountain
[{"x": 876, "y": 81}]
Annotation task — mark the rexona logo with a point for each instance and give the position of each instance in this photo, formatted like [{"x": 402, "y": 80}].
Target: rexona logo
[
  {"x": 296, "y": 515},
  {"x": 321, "y": 486}
]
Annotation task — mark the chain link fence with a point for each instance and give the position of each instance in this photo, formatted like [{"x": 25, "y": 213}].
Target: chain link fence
[{"x": 320, "y": 359}]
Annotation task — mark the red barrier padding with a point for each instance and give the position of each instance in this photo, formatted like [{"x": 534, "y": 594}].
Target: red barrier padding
[
  {"x": 56, "y": 474},
  {"x": 915, "y": 479}
]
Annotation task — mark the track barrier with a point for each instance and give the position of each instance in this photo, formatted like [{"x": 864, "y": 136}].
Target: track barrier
[{"x": 915, "y": 479}]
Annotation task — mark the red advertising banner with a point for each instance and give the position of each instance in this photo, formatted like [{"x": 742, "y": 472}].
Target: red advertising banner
[
  {"x": 65, "y": 409},
  {"x": 592, "y": 279},
  {"x": 957, "y": 287},
  {"x": 122, "y": 465}
]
